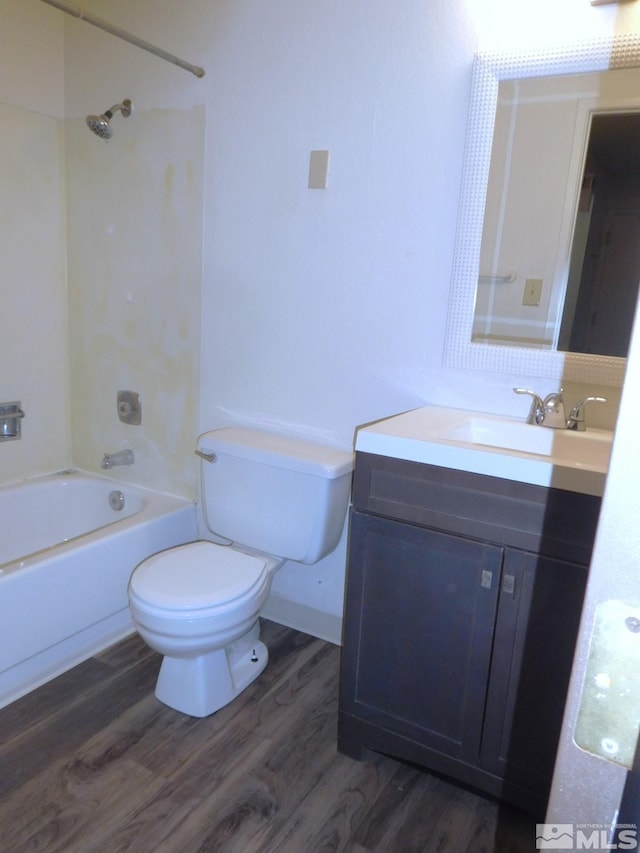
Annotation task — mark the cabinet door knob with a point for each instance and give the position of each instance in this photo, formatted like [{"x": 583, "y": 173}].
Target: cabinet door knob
[
  {"x": 509, "y": 584},
  {"x": 486, "y": 579}
]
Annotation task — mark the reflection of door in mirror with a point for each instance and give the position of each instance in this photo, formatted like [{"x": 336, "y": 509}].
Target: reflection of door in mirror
[{"x": 604, "y": 272}]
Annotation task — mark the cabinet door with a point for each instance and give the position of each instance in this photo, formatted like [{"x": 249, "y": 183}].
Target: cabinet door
[
  {"x": 537, "y": 625},
  {"x": 419, "y": 624}
]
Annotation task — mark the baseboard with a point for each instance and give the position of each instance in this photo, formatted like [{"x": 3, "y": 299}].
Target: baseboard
[{"x": 317, "y": 623}]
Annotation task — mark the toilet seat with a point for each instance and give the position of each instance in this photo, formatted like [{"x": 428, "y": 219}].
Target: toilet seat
[{"x": 197, "y": 579}]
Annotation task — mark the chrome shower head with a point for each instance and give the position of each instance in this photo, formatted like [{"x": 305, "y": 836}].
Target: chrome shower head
[{"x": 100, "y": 124}]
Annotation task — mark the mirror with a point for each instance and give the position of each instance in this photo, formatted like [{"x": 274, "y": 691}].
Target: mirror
[
  {"x": 592, "y": 67},
  {"x": 562, "y": 215}
]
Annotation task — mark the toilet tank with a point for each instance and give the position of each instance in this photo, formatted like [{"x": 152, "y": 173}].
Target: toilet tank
[{"x": 278, "y": 495}]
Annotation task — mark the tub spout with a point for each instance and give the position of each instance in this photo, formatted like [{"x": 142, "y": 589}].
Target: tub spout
[{"x": 122, "y": 457}]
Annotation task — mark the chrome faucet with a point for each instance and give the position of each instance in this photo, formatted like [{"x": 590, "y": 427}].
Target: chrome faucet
[
  {"x": 122, "y": 457},
  {"x": 550, "y": 412},
  {"x": 576, "y": 416},
  {"x": 553, "y": 411},
  {"x": 536, "y": 412}
]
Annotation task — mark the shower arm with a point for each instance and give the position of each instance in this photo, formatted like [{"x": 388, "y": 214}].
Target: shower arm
[
  {"x": 124, "y": 108},
  {"x": 123, "y": 34}
]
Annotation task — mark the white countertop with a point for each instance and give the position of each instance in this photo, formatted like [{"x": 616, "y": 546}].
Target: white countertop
[{"x": 431, "y": 435}]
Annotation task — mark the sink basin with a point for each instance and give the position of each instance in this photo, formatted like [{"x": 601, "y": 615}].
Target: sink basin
[
  {"x": 591, "y": 448},
  {"x": 495, "y": 445}
]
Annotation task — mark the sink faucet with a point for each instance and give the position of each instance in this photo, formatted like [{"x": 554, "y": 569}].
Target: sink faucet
[
  {"x": 576, "y": 416},
  {"x": 550, "y": 412},
  {"x": 536, "y": 412},
  {"x": 553, "y": 411},
  {"x": 122, "y": 457}
]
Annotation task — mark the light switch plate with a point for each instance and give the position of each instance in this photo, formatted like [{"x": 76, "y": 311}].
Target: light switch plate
[{"x": 318, "y": 170}]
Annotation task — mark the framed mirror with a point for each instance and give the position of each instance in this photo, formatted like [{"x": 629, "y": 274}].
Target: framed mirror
[{"x": 467, "y": 342}]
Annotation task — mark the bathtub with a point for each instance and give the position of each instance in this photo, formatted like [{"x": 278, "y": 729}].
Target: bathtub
[{"x": 67, "y": 550}]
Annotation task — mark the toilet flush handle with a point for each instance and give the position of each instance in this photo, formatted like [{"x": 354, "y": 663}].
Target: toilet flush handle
[{"x": 208, "y": 457}]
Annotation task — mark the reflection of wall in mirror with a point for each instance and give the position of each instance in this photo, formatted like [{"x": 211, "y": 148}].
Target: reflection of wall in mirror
[
  {"x": 533, "y": 192},
  {"x": 524, "y": 212}
]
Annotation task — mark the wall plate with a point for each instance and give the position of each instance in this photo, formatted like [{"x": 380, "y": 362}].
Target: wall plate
[{"x": 129, "y": 408}]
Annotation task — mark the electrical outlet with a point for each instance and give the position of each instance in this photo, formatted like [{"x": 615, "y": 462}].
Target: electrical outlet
[{"x": 532, "y": 291}]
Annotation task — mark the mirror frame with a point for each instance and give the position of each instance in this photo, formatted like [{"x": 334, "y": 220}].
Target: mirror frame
[{"x": 602, "y": 54}]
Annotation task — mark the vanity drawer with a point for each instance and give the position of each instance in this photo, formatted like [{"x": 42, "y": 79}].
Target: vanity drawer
[{"x": 549, "y": 521}]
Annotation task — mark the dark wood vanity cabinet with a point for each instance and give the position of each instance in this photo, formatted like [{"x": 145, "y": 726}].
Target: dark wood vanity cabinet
[{"x": 463, "y": 601}]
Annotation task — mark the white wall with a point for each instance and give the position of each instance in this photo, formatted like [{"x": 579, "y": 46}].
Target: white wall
[
  {"x": 329, "y": 303},
  {"x": 33, "y": 320},
  {"x": 31, "y": 57}
]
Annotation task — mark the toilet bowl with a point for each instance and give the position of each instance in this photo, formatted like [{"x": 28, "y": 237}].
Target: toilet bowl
[{"x": 198, "y": 604}]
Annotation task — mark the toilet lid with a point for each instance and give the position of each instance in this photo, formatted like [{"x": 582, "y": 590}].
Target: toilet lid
[{"x": 197, "y": 575}]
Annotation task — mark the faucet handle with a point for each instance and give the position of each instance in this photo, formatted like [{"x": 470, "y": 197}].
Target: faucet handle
[
  {"x": 576, "y": 417},
  {"x": 536, "y": 412}
]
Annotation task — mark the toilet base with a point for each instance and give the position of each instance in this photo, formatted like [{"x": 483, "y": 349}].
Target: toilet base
[{"x": 201, "y": 685}]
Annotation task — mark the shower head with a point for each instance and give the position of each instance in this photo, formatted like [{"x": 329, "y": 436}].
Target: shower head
[{"x": 100, "y": 124}]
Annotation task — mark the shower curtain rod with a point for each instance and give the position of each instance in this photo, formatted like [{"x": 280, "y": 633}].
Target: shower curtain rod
[{"x": 123, "y": 34}]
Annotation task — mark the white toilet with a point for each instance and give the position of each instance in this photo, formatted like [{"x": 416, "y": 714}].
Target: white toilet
[{"x": 275, "y": 499}]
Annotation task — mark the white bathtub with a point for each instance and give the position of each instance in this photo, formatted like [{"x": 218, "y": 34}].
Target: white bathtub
[{"x": 65, "y": 561}]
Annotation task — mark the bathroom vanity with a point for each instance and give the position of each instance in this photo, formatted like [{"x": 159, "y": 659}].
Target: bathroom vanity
[{"x": 467, "y": 568}]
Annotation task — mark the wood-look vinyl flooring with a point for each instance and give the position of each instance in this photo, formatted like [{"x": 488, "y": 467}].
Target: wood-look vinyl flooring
[{"x": 93, "y": 762}]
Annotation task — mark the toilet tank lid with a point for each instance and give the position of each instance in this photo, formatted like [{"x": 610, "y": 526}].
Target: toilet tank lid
[{"x": 278, "y": 450}]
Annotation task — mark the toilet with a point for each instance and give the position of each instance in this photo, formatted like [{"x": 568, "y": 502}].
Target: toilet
[{"x": 274, "y": 499}]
